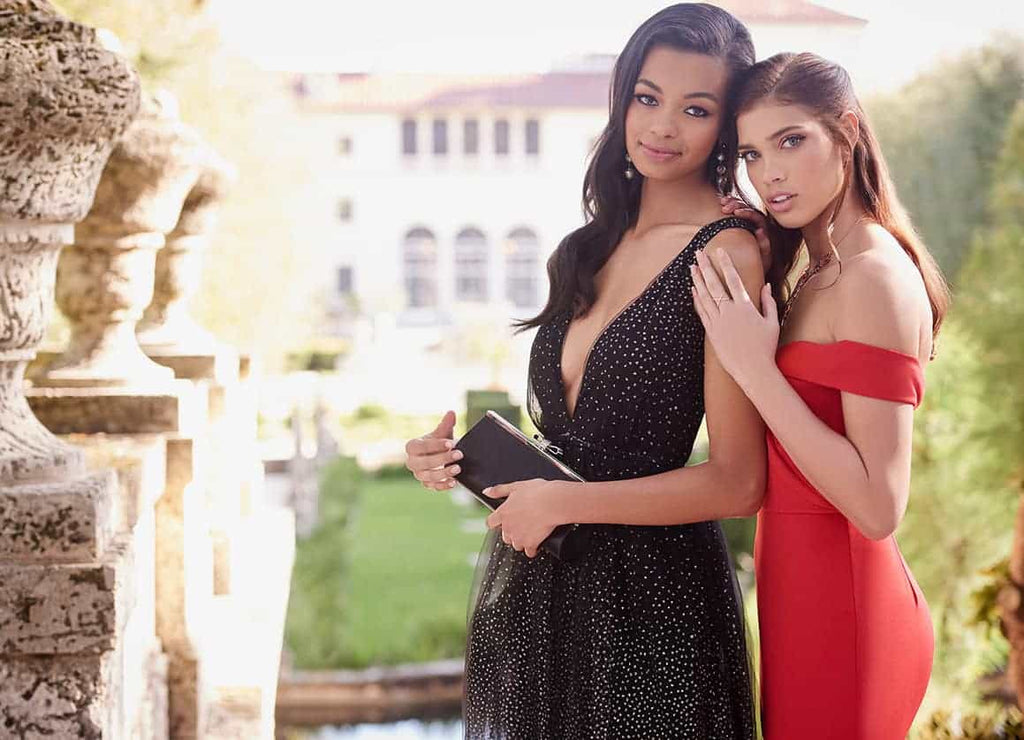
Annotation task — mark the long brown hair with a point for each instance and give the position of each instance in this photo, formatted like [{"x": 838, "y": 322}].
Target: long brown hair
[
  {"x": 824, "y": 87},
  {"x": 611, "y": 203}
]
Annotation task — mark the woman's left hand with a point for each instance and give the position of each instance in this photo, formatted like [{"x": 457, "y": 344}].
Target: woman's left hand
[
  {"x": 744, "y": 341},
  {"x": 528, "y": 515}
]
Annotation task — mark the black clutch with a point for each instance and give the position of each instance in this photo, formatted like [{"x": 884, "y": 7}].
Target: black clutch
[{"x": 495, "y": 452}]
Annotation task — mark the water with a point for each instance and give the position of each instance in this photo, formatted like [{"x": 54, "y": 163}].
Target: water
[{"x": 412, "y": 729}]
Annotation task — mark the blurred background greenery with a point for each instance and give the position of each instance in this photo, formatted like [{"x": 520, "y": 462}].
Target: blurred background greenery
[{"x": 265, "y": 238}]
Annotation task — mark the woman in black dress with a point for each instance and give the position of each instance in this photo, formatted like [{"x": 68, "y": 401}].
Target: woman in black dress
[{"x": 642, "y": 637}]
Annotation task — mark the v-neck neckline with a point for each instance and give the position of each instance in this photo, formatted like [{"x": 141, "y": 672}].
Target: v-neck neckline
[{"x": 571, "y": 416}]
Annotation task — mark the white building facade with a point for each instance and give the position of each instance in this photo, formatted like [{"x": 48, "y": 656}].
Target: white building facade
[
  {"x": 453, "y": 198},
  {"x": 442, "y": 195}
]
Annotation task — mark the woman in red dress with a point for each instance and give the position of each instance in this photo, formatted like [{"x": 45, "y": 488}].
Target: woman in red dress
[{"x": 846, "y": 637}]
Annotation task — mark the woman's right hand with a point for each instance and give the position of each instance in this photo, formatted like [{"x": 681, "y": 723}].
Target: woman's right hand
[
  {"x": 735, "y": 207},
  {"x": 431, "y": 457}
]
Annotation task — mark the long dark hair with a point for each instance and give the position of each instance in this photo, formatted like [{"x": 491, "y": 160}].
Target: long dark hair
[
  {"x": 611, "y": 203},
  {"x": 825, "y": 88}
]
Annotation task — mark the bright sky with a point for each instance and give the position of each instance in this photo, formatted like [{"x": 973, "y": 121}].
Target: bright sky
[{"x": 529, "y": 35}]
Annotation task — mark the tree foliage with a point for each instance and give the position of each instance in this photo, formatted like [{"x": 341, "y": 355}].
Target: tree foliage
[
  {"x": 941, "y": 135},
  {"x": 259, "y": 289},
  {"x": 969, "y": 439}
]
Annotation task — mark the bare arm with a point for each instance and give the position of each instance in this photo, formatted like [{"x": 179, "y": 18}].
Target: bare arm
[
  {"x": 730, "y": 483},
  {"x": 866, "y": 473}
]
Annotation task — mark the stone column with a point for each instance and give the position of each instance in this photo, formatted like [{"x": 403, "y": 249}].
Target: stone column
[
  {"x": 105, "y": 279},
  {"x": 67, "y": 572},
  {"x": 105, "y": 385},
  {"x": 252, "y": 544},
  {"x": 496, "y": 268},
  {"x": 171, "y": 337},
  {"x": 254, "y": 551},
  {"x": 166, "y": 328},
  {"x": 444, "y": 273}
]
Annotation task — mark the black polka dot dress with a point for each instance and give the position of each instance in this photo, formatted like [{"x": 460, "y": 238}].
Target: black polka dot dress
[{"x": 643, "y": 637}]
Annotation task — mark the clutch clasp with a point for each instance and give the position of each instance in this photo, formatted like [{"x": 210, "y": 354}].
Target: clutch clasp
[{"x": 547, "y": 446}]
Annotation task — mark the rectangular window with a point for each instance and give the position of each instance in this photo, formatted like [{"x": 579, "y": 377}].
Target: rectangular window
[
  {"x": 345, "y": 209},
  {"x": 408, "y": 136},
  {"x": 470, "y": 136},
  {"x": 440, "y": 136},
  {"x": 344, "y": 280},
  {"x": 501, "y": 136},
  {"x": 533, "y": 136}
]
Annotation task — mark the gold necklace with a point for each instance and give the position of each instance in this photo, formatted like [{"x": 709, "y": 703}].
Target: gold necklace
[{"x": 811, "y": 271}]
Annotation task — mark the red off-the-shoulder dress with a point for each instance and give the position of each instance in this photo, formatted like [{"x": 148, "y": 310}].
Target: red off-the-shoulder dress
[{"x": 846, "y": 637}]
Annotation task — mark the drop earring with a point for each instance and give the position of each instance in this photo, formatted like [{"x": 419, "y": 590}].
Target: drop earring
[
  {"x": 630, "y": 172},
  {"x": 723, "y": 181}
]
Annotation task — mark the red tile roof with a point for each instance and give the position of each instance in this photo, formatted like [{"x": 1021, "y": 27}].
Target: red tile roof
[
  {"x": 785, "y": 11},
  {"x": 372, "y": 92},
  {"x": 579, "y": 89},
  {"x": 552, "y": 90}
]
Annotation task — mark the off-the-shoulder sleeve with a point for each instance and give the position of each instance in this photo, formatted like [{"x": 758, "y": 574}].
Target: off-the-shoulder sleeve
[{"x": 855, "y": 367}]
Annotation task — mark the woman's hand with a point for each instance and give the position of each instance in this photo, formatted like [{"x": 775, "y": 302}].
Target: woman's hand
[
  {"x": 744, "y": 341},
  {"x": 529, "y": 513},
  {"x": 431, "y": 458},
  {"x": 736, "y": 207}
]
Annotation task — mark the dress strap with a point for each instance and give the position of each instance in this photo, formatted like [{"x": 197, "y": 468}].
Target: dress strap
[
  {"x": 713, "y": 229},
  {"x": 706, "y": 233},
  {"x": 855, "y": 367}
]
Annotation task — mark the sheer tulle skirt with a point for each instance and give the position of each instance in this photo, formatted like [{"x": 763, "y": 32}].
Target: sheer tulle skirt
[{"x": 642, "y": 638}]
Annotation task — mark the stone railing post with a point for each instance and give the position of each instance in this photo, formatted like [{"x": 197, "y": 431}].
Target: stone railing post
[
  {"x": 105, "y": 387},
  {"x": 252, "y": 543},
  {"x": 167, "y": 328},
  {"x": 71, "y": 638},
  {"x": 105, "y": 279}
]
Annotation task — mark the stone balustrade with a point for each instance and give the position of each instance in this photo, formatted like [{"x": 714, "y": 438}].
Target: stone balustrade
[
  {"x": 75, "y": 623},
  {"x": 143, "y": 582}
]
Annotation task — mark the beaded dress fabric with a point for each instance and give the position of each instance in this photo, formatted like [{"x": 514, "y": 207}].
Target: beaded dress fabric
[{"x": 642, "y": 637}]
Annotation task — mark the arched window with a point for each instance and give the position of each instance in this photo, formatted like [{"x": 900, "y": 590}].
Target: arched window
[
  {"x": 522, "y": 264},
  {"x": 471, "y": 259},
  {"x": 419, "y": 268}
]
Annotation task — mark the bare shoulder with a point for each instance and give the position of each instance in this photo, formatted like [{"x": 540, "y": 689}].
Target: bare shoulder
[
  {"x": 880, "y": 298},
  {"x": 741, "y": 246}
]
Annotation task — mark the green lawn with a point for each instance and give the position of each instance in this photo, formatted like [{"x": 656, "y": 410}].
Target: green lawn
[
  {"x": 386, "y": 577},
  {"x": 409, "y": 574}
]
